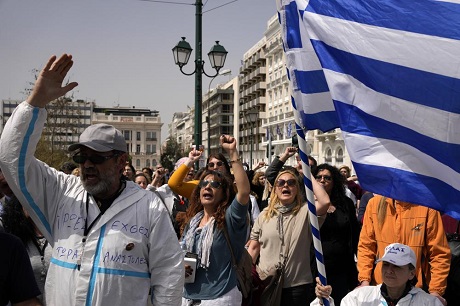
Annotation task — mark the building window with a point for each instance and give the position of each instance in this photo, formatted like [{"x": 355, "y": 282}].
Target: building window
[
  {"x": 147, "y": 163},
  {"x": 328, "y": 156},
  {"x": 127, "y": 135},
  {"x": 149, "y": 149},
  {"x": 138, "y": 136},
  {"x": 227, "y": 130},
  {"x": 138, "y": 163},
  {"x": 339, "y": 157},
  {"x": 138, "y": 149},
  {"x": 154, "y": 149},
  {"x": 151, "y": 136}
]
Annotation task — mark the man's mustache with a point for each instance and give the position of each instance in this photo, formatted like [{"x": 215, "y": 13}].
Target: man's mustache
[{"x": 89, "y": 171}]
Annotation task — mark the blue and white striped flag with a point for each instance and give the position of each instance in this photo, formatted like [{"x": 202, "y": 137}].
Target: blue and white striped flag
[
  {"x": 388, "y": 74},
  {"x": 278, "y": 130}
]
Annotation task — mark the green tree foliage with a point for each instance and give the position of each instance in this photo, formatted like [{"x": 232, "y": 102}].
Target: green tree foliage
[
  {"x": 50, "y": 155},
  {"x": 171, "y": 154}
]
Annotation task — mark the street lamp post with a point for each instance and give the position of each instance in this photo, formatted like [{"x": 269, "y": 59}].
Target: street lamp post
[
  {"x": 251, "y": 116},
  {"x": 217, "y": 56}
]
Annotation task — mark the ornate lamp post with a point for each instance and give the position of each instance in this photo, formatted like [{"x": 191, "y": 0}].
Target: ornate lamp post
[{"x": 217, "y": 56}]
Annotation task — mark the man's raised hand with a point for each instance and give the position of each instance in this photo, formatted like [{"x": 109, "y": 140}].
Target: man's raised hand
[{"x": 48, "y": 86}]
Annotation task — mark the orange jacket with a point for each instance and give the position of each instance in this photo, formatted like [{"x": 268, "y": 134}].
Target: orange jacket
[
  {"x": 177, "y": 184},
  {"x": 416, "y": 226}
]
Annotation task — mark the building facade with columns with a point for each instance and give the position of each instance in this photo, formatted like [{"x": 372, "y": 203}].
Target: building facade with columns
[{"x": 141, "y": 129}]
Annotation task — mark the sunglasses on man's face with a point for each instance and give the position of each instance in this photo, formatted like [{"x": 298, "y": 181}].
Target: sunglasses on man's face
[
  {"x": 214, "y": 184},
  {"x": 95, "y": 159},
  {"x": 289, "y": 182},
  {"x": 327, "y": 178},
  {"x": 211, "y": 165}
]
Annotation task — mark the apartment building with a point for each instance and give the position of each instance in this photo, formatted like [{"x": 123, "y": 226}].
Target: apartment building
[
  {"x": 218, "y": 114},
  {"x": 279, "y": 120},
  {"x": 252, "y": 95},
  {"x": 181, "y": 129},
  {"x": 262, "y": 86}
]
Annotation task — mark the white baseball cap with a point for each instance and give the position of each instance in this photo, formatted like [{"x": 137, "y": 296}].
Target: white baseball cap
[{"x": 399, "y": 255}]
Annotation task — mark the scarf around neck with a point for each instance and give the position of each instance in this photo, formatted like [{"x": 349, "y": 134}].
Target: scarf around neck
[
  {"x": 205, "y": 239},
  {"x": 282, "y": 209}
]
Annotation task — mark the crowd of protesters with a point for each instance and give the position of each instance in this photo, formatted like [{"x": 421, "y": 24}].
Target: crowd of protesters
[{"x": 100, "y": 232}]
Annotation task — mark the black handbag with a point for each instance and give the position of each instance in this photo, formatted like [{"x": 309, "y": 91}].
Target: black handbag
[
  {"x": 243, "y": 268},
  {"x": 273, "y": 281}
]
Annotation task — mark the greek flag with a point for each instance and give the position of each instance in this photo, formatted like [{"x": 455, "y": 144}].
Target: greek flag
[
  {"x": 289, "y": 130},
  {"x": 387, "y": 73}
]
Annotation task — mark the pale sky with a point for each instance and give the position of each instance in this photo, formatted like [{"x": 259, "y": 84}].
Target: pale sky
[{"x": 122, "y": 48}]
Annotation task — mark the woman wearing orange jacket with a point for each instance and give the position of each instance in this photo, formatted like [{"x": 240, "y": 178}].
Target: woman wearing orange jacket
[{"x": 387, "y": 221}]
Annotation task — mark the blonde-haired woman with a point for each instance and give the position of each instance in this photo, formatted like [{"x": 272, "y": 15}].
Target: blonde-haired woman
[{"x": 285, "y": 224}]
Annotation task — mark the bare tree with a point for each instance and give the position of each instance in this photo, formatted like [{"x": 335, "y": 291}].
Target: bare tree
[{"x": 62, "y": 124}]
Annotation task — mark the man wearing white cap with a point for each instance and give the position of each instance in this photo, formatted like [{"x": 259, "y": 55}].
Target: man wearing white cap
[
  {"x": 398, "y": 272},
  {"x": 112, "y": 241}
]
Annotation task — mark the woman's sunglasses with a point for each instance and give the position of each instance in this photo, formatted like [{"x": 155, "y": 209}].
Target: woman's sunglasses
[
  {"x": 325, "y": 177},
  {"x": 289, "y": 182},
  {"x": 211, "y": 165},
  {"x": 214, "y": 184}
]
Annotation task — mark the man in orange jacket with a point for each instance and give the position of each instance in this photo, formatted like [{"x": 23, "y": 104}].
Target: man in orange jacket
[{"x": 387, "y": 221}]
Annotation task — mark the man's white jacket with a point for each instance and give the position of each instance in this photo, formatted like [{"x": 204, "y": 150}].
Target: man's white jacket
[{"x": 131, "y": 248}]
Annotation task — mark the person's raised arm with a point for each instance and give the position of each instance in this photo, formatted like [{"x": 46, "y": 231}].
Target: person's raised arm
[
  {"x": 193, "y": 156},
  {"x": 176, "y": 181},
  {"x": 228, "y": 143},
  {"x": 322, "y": 201},
  {"x": 48, "y": 86},
  {"x": 158, "y": 176},
  {"x": 18, "y": 144},
  {"x": 259, "y": 165},
  {"x": 277, "y": 164},
  {"x": 289, "y": 152},
  {"x": 438, "y": 254}
]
